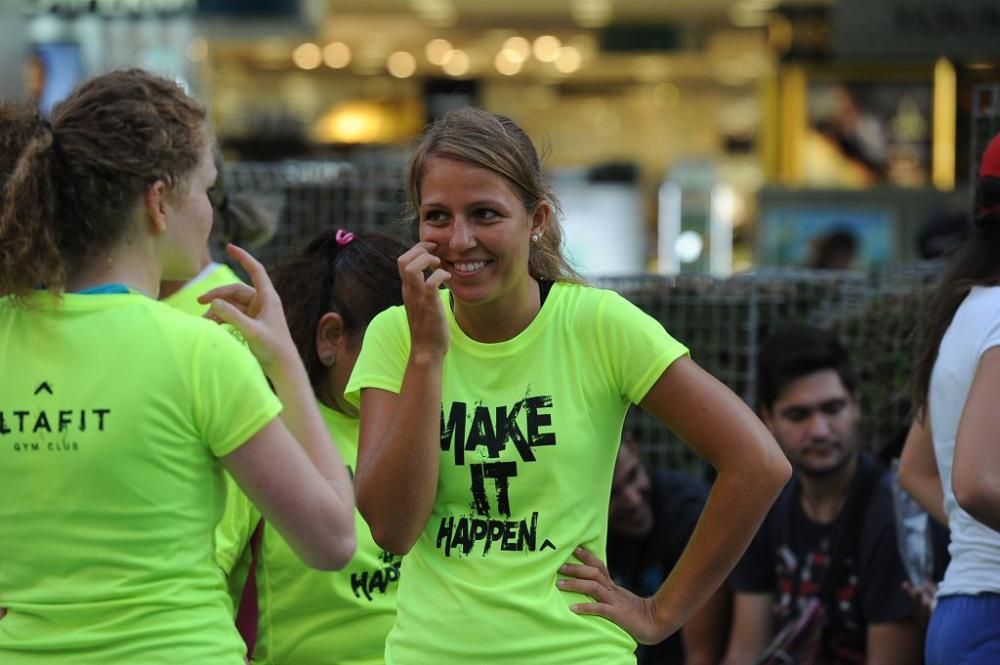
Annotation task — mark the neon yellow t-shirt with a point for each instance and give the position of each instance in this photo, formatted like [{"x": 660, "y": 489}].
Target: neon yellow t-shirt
[
  {"x": 113, "y": 410},
  {"x": 307, "y": 616},
  {"x": 530, "y": 430},
  {"x": 212, "y": 276}
]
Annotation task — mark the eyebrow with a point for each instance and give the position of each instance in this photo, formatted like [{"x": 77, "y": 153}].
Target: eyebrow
[
  {"x": 475, "y": 204},
  {"x": 815, "y": 406}
]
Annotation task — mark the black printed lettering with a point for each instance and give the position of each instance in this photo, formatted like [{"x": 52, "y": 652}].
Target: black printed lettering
[
  {"x": 453, "y": 433},
  {"x": 42, "y": 421},
  {"x": 463, "y": 533},
  {"x": 367, "y": 582},
  {"x": 537, "y": 420},
  {"x": 494, "y": 430},
  {"x": 482, "y": 433},
  {"x": 500, "y": 472}
]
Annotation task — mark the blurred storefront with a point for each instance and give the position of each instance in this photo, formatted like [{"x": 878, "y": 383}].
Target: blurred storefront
[{"x": 699, "y": 136}]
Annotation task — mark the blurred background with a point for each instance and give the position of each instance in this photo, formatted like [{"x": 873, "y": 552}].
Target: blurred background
[{"x": 726, "y": 164}]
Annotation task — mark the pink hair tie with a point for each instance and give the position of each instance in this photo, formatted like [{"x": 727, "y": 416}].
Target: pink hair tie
[{"x": 344, "y": 237}]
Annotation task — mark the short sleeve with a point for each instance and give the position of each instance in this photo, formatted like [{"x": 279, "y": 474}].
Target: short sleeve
[
  {"x": 881, "y": 573},
  {"x": 637, "y": 348},
  {"x": 384, "y": 354},
  {"x": 232, "y": 400}
]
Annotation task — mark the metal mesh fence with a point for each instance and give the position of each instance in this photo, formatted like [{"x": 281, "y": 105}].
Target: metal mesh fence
[
  {"x": 364, "y": 194},
  {"x": 722, "y": 320}
]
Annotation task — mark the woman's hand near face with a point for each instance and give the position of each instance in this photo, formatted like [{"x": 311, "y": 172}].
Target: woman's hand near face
[
  {"x": 255, "y": 311},
  {"x": 424, "y": 310}
]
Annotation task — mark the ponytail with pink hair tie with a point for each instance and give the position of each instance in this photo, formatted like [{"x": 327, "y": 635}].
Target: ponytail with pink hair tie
[{"x": 343, "y": 237}]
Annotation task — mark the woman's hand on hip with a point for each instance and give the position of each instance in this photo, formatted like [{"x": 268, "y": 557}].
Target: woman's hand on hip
[{"x": 634, "y": 614}]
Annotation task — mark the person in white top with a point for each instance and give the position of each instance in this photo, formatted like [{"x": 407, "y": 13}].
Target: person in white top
[{"x": 950, "y": 463}]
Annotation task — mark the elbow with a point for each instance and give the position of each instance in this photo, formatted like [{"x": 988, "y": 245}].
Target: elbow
[
  {"x": 977, "y": 498},
  {"x": 386, "y": 534},
  {"x": 393, "y": 543},
  {"x": 779, "y": 471},
  {"x": 336, "y": 553},
  {"x": 906, "y": 477},
  {"x": 389, "y": 537}
]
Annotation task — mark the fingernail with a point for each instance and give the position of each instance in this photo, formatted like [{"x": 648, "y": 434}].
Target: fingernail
[{"x": 560, "y": 583}]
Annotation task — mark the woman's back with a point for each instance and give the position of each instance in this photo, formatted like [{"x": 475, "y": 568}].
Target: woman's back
[
  {"x": 975, "y": 328},
  {"x": 114, "y": 410}
]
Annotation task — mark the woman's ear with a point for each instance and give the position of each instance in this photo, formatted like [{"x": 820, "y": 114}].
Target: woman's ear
[
  {"x": 540, "y": 218},
  {"x": 154, "y": 202},
  {"x": 330, "y": 335}
]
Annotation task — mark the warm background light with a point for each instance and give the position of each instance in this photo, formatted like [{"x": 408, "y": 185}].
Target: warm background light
[
  {"x": 401, "y": 64},
  {"x": 437, "y": 51},
  {"x": 518, "y": 48},
  {"x": 546, "y": 48},
  {"x": 505, "y": 65},
  {"x": 337, "y": 55},
  {"x": 307, "y": 56},
  {"x": 456, "y": 63}
]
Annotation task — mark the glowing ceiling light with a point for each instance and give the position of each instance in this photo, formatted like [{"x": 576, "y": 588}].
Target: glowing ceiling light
[
  {"x": 568, "y": 60},
  {"x": 401, "y": 64},
  {"x": 546, "y": 48},
  {"x": 456, "y": 63},
  {"x": 337, "y": 55},
  {"x": 307, "y": 56},
  {"x": 519, "y": 48},
  {"x": 437, "y": 51},
  {"x": 505, "y": 65}
]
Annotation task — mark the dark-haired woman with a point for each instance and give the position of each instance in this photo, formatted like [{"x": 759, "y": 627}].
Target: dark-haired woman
[
  {"x": 951, "y": 462},
  {"x": 491, "y": 414},
  {"x": 330, "y": 292},
  {"x": 116, "y": 410}
]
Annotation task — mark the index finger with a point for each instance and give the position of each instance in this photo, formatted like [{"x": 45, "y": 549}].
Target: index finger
[
  {"x": 240, "y": 292},
  {"x": 422, "y": 247},
  {"x": 589, "y": 558},
  {"x": 254, "y": 268}
]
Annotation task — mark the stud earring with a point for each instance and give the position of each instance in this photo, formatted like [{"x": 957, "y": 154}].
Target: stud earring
[
  {"x": 328, "y": 361},
  {"x": 535, "y": 237}
]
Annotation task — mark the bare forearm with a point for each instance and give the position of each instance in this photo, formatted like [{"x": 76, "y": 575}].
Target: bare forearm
[
  {"x": 303, "y": 419},
  {"x": 734, "y": 511},
  {"x": 918, "y": 471},
  {"x": 927, "y": 492},
  {"x": 397, "y": 476}
]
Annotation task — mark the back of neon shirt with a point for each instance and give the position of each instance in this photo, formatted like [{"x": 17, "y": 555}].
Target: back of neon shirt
[{"x": 113, "y": 410}]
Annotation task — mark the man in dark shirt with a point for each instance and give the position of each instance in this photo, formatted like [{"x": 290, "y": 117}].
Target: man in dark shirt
[
  {"x": 651, "y": 517},
  {"x": 831, "y": 534}
]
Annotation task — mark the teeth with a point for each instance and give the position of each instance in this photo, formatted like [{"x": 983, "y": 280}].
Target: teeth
[{"x": 470, "y": 267}]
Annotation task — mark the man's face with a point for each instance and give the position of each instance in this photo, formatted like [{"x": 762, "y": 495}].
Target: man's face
[
  {"x": 631, "y": 512},
  {"x": 815, "y": 420}
]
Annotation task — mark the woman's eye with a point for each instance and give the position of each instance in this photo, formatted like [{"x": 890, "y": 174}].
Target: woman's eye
[
  {"x": 434, "y": 216},
  {"x": 485, "y": 214}
]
